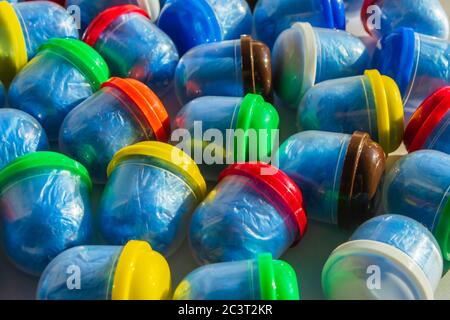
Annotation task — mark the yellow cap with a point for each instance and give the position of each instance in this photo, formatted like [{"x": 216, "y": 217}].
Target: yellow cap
[
  {"x": 389, "y": 108},
  {"x": 13, "y": 50},
  {"x": 141, "y": 274},
  {"x": 170, "y": 154}
]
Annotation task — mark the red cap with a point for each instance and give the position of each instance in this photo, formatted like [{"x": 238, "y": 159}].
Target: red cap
[
  {"x": 148, "y": 103},
  {"x": 105, "y": 18},
  {"x": 425, "y": 119},
  {"x": 365, "y": 15},
  {"x": 280, "y": 183}
]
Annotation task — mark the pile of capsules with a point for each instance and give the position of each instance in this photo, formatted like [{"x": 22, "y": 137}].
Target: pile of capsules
[{"x": 85, "y": 78}]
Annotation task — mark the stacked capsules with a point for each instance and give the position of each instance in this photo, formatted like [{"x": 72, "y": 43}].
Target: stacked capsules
[{"x": 103, "y": 104}]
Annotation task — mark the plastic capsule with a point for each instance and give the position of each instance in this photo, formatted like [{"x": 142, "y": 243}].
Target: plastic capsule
[
  {"x": 131, "y": 272},
  {"x": 121, "y": 113},
  {"x": 255, "y": 208},
  {"x": 152, "y": 190},
  {"x": 339, "y": 174},
  {"x": 194, "y": 22},
  {"x": 429, "y": 125},
  {"x": 423, "y": 180},
  {"x": 258, "y": 279},
  {"x": 20, "y": 134},
  {"x": 271, "y": 18},
  {"x": 45, "y": 208},
  {"x": 419, "y": 64},
  {"x": 228, "y": 68},
  {"x": 370, "y": 103},
  {"x": 133, "y": 46},
  {"x": 304, "y": 56},
  {"x": 243, "y": 129},
  {"x": 88, "y": 10},
  {"x": 424, "y": 16},
  {"x": 390, "y": 257},
  {"x": 70, "y": 68},
  {"x": 25, "y": 27}
]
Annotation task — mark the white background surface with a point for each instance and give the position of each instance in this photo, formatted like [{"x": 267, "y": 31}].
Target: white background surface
[{"x": 307, "y": 258}]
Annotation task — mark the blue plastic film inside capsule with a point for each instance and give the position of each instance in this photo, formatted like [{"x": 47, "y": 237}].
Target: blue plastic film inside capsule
[
  {"x": 20, "y": 134},
  {"x": 44, "y": 213},
  {"x": 30, "y": 92},
  {"x": 146, "y": 199},
  {"x": 237, "y": 221},
  {"x": 80, "y": 273}
]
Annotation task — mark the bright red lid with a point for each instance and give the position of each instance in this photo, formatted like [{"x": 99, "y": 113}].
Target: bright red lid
[
  {"x": 279, "y": 182},
  {"x": 425, "y": 119},
  {"x": 105, "y": 18},
  {"x": 365, "y": 15},
  {"x": 148, "y": 103}
]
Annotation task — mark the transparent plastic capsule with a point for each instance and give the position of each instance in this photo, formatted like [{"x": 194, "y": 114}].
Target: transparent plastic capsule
[
  {"x": 255, "y": 208},
  {"x": 20, "y": 134},
  {"x": 390, "y": 257},
  {"x": 152, "y": 190},
  {"x": 339, "y": 174},
  {"x": 422, "y": 179},
  {"x": 370, "y": 103},
  {"x": 228, "y": 68},
  {"x": 304, "y": 56},
  {"x": 258, "y": 279},
  {"x": 71, "y": 69},
  {"x": 121, "y": 113},
  {"x": 424, "y": 16},
  {"x": 271, "y": 17},
  {"x": 88, "y": 9},
  {"x": 25, "y": 27},
  {"x": 131, "y": 272},
  {"x": 419, "y": 64},
  {"x": 45, "y": 208},
  {"x": 133, "y": 46},
  {"x": 243, "y": 129}
]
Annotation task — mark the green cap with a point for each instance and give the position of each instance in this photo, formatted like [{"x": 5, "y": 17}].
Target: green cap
[
  {"x": 255, "y": 114},
  {"x": 277, "y": 279},
  {"x": 442, "y": 233},
  {"x": 42, "y": 160},
  {"x": 83, "y": 57}
]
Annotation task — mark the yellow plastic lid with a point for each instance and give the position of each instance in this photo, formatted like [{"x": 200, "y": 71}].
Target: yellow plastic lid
[
  {"x": 13, "y": 49},
  {"x": 141, "y": 274},
  {"x": 389, "y": 108},
  {"x": 168, "y": 153}
]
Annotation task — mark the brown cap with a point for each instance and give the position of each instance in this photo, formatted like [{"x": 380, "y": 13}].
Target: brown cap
[
  {"x": 256, "y": 68},
  {"x": 363, "y": 170}
]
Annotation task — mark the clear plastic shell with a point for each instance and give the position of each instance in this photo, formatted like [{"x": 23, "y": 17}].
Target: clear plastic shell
[
  {"x": 238, "y": 220},
  {"x": 99, "y": 127},
  {"x": 210, "y": 70},
  {"x": 146, "y": 199},
  {"x": 134, "y": 47},
  {"x": 221, "y": 281},
  {"x": 315, "y": 160},
  {"x": 20, "y": 134},
  {"x": 44, "y": 212},
  {"x": 42, "y": 21},
  {"x": 80, "y": 273},
  {"x": 342, "y": 105},
  {"x": 30, "y": 92}
]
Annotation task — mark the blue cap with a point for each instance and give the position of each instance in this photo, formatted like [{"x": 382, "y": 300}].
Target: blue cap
[
  {"x": 190, "y": 23},
  {"x": 396, "y": 56},
  {"x": 334, "y": 14}
]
